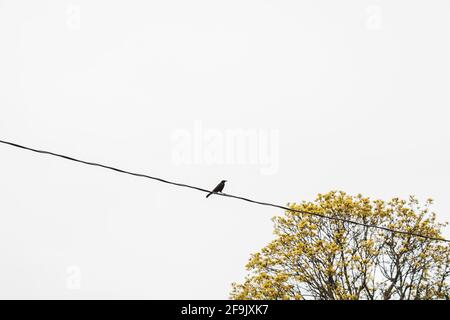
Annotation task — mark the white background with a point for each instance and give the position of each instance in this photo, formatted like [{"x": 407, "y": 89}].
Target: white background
[{"x": 357, "y": 90}]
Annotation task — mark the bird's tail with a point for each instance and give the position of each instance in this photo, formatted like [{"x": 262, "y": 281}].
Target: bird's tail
[{"x": 209, "y": 194}]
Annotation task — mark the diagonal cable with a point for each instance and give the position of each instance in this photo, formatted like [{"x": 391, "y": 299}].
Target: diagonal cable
[{"x": 220, "y": 194}]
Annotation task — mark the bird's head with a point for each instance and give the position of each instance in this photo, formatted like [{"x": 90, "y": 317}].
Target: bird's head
[{"x": 223, "y": 181}]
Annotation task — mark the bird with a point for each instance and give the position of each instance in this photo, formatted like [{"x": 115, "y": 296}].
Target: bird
[{"x": 218, "y": 188}]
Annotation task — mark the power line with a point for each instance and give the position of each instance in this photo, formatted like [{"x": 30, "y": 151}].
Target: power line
[{"x": 220, "y": 194}]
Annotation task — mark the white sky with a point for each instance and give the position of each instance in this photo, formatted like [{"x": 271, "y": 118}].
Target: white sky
[{"x": 349, "y": 95}]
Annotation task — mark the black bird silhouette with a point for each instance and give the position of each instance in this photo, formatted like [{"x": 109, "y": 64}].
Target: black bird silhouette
[{"x": 218, "y": 188}]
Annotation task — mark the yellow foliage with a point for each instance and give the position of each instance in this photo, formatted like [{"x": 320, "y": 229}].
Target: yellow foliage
[{"x": 330, "y": 259}]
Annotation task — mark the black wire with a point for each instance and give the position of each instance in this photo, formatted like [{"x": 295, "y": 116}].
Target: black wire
[{"x": 221, "y": 194}]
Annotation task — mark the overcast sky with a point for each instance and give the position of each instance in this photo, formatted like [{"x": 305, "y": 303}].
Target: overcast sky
[{"x": 284, "y": 99}]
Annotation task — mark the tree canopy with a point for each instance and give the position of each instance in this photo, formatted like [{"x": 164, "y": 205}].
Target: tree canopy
[{"x": 318, "y": 258}]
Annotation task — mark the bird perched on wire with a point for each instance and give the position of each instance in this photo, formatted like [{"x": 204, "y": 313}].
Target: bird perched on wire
[{"x": 218, "y": 188}]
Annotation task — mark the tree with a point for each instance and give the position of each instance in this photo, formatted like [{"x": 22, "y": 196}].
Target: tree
[{"x": 318, "y": 258}]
